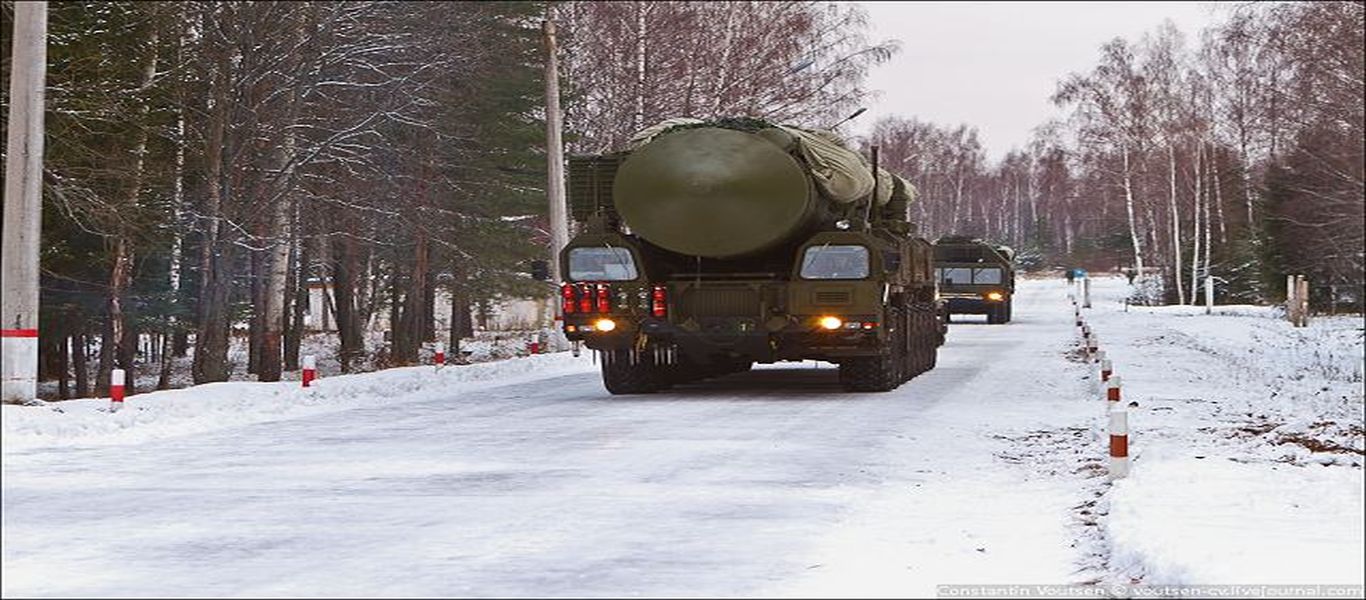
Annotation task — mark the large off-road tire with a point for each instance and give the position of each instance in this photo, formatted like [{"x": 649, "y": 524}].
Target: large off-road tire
[
  {"x": 738, "y": 366},
  {"x": 683, "y": 372},
  {"x": 622, "y": 377},
  {"x": 929, "y": 336},
  {"x": 868, "y": 373},
  {"x": 996, "y": 315}
]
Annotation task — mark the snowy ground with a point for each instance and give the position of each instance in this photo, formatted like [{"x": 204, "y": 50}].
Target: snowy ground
[
  {"x": 485, "y": 346},
  {"x": 1247, "y": 443},
  {"x": 525, "y": 478}
]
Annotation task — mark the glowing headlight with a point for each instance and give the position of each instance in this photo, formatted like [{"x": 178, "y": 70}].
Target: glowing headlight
[
  {"x": 604, "y": 325},
  {"x": 995, "y": 296},
  {"x": 831, "y": 323}
]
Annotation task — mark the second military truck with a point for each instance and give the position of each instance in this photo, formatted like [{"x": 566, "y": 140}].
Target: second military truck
[
  {"x": 709, "y": 246},
  {"x": 975, "y": 277}
]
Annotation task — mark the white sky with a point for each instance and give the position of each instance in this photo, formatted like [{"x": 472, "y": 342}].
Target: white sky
[{"x": 994, "y": 64}]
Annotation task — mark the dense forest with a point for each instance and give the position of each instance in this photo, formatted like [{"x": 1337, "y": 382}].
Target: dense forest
[{"x": 205, "y": 161}]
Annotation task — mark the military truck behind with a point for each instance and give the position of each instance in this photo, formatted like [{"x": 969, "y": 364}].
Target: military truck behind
[
  {"x": 975, "y": 277},
  {"x": 706, "y": 247}
]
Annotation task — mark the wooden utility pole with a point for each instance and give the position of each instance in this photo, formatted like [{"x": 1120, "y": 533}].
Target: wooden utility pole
[
  {"x": 23, "y": 205},
  {"x": 554, "y": 144}
]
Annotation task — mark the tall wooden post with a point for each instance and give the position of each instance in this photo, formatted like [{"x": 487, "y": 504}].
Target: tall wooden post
[
  {"x": 559, "y": 222},
  {"x": 23, "y": 205}
]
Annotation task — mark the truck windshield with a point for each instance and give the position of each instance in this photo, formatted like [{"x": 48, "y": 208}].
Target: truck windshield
[
  {"x": 960, "y": 276},
  {"x": 835, "y": 262},
  {"x": 601, "y": 264},
  {"x": 969, "y": 276},
  {"x": 986, "y": 276}
]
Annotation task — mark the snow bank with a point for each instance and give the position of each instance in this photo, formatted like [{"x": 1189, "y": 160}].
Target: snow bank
[
  {"x": 1184, "y": 522},
  {"x": 1246, "y": 443},
  {"x": 220, "y": 405}
]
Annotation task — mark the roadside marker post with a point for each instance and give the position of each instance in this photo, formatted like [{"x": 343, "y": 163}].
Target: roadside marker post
[
  {"x": 1119, "y": 443},
  {"x": 116, "y": 382},
  {"x": 310, "y": 369},
  {"x": 439, "y": 356},
  {"x": 1106, "y": 368},
  {"x": 1112, "y": 391}
]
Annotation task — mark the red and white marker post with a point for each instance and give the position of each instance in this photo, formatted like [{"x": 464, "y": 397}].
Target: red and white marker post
[
  {"x": 1119, "y": 443},
  {"x": 1112, "y": 391},
  {"x": 1106, "y": 368},
  {"x": 533, "y": 346},
  {"x": 116, "y": 382},
  {"x": 1093, "y": 345},
  {"x": 310, "y": 369},
  {"x": 439, "y": 356}
]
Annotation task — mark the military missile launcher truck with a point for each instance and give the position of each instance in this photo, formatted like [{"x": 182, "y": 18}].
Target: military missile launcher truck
[
  {"x": 705, "y": 247},
  {"x": 975, "y": 277}
]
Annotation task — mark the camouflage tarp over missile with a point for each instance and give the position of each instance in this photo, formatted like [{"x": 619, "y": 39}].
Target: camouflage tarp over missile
[
  {"x": 734, "y": 187},
  {"x": 841, "y": 174}
]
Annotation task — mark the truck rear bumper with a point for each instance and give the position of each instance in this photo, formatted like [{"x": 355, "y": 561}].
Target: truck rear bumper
[
  {"x": 973, "y": 306},
  {"x": 759, "y": 346}
]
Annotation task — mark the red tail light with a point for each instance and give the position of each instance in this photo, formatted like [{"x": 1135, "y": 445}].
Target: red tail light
[
  {"x": 604, "y": 298},
  {"x": 567, "y": 295},
  {"x": 659, "y": 302},
  {"x": 585, "y": 298}
]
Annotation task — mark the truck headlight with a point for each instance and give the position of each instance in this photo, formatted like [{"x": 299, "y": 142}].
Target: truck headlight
[
  {"x": 604, "y": 325},
  {"x": 831, "y": 323},
  {"x": 996, "y": 296}
]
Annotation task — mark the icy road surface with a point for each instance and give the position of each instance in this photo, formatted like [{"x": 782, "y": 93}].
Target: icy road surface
[{"x": 772, "y": 482}]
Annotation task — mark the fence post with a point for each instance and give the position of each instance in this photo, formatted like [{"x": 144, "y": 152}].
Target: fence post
[
  {"x": 1086, "y": 292},
  {"x": 1291, "y": 304},
  {"x": 116, "y": 382},
  {"x": 310, "y": 369},
  {"x": 1209, "y": 294},
  {"x": 1302, "y": 296}
]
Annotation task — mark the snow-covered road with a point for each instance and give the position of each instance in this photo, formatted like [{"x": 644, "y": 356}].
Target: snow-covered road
[{"x": 771, "y": 482}]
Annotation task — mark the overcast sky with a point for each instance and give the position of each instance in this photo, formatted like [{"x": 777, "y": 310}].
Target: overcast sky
[{"x": 994, "y": 64}]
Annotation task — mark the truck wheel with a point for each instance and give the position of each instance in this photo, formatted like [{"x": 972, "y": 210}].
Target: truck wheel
[
  {"x": 739, "y": 366},
  {"x": 995, "y": 315},
  {"x": 622, "y": 377},
  {"x": 868, "y": 373},
  {"x": 925, "y": 330},
  {"x": 683, "y": 372}
]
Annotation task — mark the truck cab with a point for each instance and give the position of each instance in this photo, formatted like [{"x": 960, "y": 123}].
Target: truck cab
[{"x": 975, "y": 277}]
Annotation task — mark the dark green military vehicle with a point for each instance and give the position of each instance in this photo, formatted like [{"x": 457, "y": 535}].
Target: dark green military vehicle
[
  {"x": 706, "y": 247},
  {"x": 975, "y": 277}
]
